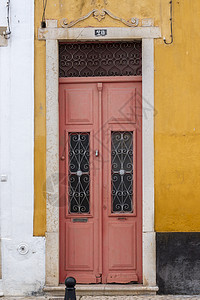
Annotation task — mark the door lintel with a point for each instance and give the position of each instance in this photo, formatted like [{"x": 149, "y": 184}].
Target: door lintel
[{"x": 88, "y": 33}]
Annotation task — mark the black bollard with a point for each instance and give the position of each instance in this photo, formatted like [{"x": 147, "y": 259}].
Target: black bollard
[{"x": 70, "y": 283}]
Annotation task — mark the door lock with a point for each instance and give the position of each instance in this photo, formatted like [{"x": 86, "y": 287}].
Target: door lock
[{"x": 97, "y": 153}]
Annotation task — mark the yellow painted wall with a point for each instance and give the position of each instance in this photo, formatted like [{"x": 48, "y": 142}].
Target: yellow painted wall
[
  {"x": 177, "y": 94},
  {"x": 177, "y": 123},
  {"x": 40, "y": 129}
]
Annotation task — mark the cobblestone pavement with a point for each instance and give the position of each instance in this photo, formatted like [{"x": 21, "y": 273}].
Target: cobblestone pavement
[
  {"x": 141, "y": 298},
  {"x": 146, "y": 297}
]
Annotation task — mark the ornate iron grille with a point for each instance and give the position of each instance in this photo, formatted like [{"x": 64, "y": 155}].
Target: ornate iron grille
[
  {"x": 100, "y": 59},
  {"x": 122, "y": 171},
  {"x": 79, "y": 172}
]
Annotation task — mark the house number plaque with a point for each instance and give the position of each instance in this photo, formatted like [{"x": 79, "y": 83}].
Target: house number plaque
[{"x": 100, "y": 32}]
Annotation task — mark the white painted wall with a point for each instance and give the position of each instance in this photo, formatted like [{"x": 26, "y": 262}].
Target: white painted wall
[
  {"x": 3, "y": 21},
  {"x": 22, "y": 274}
]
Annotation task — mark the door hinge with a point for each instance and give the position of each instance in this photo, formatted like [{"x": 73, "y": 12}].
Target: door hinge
[{"x": 99, "y": 278}]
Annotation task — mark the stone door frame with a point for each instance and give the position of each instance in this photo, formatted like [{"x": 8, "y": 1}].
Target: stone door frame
[{"x": 53, "y": 36}]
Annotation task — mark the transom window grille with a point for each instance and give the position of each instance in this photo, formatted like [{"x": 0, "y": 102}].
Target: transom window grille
[
  {"x": 79, "y": 172},
  {"x": 122, "y": 171},
  {"x": 100, "y": 59}
]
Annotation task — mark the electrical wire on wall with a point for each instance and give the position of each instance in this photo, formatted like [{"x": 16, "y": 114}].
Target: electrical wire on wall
[
  {"x": 43, "y": 23},
  {"x": 8, "y": 31},
  {"x": 171, "y": 25}
]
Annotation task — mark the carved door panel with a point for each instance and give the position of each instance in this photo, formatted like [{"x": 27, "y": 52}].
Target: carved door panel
[{"x": 100, "y": 180}]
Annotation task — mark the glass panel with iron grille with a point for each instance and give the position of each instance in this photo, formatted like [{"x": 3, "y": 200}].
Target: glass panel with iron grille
[
  {"x": 122, "y": 171},
  {"x": 79, "y": 172}
]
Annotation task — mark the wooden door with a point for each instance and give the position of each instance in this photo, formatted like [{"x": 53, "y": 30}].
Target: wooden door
[
  {"x": 100, "y": 218},
  {"x": 79, "y": 198},
  {"x": 122, "y": 189}
]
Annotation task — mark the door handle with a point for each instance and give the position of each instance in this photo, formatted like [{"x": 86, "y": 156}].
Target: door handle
[{"x": 97, "y": 153}]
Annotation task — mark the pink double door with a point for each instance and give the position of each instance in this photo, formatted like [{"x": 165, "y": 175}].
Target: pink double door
[{"x": 101, "y": 179}]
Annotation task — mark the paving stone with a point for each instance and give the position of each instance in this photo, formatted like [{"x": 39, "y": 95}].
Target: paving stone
[{"x": 145, "y": 297}]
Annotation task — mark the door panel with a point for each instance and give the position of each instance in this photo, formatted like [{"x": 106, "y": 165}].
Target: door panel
[
  {"x": 121, "y": 104},
  {"x": 123, "y": 257},
  {"x": 100, "y": 180},
  {"x": 79, "y": 199},
  {"x": 81, "y": 243},
  {"x": 122, "y": 216},
  {"x": 79, "y": 104}
]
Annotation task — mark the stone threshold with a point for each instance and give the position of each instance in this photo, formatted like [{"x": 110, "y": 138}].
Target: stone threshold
[{"x": 103, "y": 290}]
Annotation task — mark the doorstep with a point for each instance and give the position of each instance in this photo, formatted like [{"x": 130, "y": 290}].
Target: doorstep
[{"x": 103, "y": 290}]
